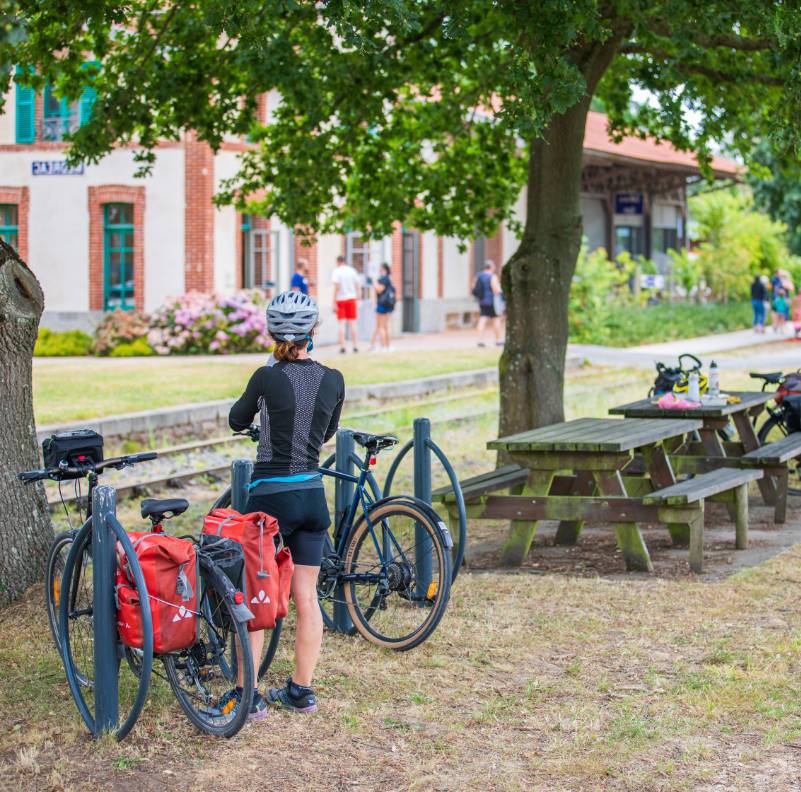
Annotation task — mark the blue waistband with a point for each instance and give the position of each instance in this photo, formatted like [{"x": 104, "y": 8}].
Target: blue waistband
[{"x": 286, "y": 479}]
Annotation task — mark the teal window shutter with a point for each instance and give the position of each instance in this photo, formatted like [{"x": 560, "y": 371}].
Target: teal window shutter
[
  {"x": 26, "y": 113},
  {"x": 88, "y": 97}
]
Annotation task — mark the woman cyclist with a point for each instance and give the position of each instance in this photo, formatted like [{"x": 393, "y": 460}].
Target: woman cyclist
[{"x": 299, "y": 402}]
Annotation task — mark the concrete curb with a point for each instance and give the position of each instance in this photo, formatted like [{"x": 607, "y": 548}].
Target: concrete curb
[{"x": 216, "y": 411}]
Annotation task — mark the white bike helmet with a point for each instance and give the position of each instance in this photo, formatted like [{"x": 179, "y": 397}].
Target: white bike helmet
[{"x": 291, "y": 316}]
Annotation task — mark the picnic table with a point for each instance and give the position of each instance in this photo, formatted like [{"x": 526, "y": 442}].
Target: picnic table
[
  {"x": 594, "y": 451},
  {"x": 714, "y": 451}
]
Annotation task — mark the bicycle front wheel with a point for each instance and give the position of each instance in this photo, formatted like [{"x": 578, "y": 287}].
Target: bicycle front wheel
[
  {"x": 774, "y": 429},
  {"x": 54, "y": 574},
  {"x": 396, "y": 575}
]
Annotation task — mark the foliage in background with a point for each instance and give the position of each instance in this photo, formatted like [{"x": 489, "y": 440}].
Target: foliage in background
[
  {"x": 198, "y": 323},
  {"x": 136, "y": 348},
  {"x": 120, "y": 327},
  {"x": 600, "y": 290},
  {"x": 737, "y": 242},
  {"x": 69, "y": 343},
  {"x": 776, "y": 184}
]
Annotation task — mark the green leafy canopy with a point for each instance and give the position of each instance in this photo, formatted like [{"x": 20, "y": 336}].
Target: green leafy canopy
[{"x": 419, "y": 112}]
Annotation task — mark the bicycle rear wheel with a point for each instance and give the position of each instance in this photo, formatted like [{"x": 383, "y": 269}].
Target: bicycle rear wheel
[
  {"x": 202, "y": 674},
  {"x": 774, "y": 429},
  {"x": 397, "y": 575}
]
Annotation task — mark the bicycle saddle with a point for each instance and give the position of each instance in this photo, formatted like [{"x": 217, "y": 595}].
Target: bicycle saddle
[
  {"x": 774, "y": 377},
  {"x": 374, "y": 442},
  {"x": 151, "y": 507}
]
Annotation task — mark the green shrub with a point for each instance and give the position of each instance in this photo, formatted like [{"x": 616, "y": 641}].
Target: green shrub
[
  {"x": 138, "y": 348},
  {"x": 120, "y": 327},
  {"x": 69, "y": 343}
]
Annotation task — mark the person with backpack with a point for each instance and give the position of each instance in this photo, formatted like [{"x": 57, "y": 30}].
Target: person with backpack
[
  {"x": 487, "y": 291},
  {"x": 298, "y": 402},
  {"x": 385, "y": 299}
]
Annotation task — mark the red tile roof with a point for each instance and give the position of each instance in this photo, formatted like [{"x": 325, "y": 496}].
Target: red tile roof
[{"x": 597, "y": 140}]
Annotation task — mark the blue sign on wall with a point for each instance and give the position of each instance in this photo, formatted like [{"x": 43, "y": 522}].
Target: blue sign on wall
[
  {"x": 55, "y": 168},
  {"x": 629, "y": 203}
]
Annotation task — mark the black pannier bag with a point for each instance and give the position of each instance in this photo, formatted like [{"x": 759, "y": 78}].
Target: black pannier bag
[
  {"x": 78, "y": 447},
  {"x": 792, "y": 405}
]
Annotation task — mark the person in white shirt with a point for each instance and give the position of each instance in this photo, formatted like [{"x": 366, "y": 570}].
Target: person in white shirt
[{"x": 346, "y": 292}]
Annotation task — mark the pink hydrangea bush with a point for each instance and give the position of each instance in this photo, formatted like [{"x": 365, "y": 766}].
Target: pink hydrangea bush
[{"x": 197, "y": 324}]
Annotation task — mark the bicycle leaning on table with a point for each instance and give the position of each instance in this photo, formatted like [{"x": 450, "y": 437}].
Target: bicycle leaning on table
[
  {"x": 199, "y": 675},
  {"x": 784, "y": 418},
  {"x": 387, "y": 564}
]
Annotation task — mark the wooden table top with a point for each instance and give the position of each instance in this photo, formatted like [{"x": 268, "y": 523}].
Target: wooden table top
[
  {"x": 648, "y": 408},
  {"x": 607, "y": 435}
]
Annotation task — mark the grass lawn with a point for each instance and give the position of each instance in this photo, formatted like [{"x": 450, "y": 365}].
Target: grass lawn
[{"x": 92, "y": 387}]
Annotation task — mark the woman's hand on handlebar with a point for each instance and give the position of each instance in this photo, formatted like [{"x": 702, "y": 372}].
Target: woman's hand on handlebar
[{"x": 253, "y": 432}]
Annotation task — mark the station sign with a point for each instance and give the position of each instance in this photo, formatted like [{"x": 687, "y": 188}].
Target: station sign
[
  {"x": 628, "y": 203},
  {"x": 652, "y": 281},
  {"x": 55, "y": 168}
]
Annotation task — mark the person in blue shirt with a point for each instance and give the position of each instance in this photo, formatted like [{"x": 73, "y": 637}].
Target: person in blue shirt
[{"x": 300, "y": 280}]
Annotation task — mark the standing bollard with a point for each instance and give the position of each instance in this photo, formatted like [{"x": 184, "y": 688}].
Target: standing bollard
[
  {"x": 104, "y": 615},
  {"x": 241, "y": 471},
  {"x": 342, "y": 500},
  {"x": 422, "y": 490}
]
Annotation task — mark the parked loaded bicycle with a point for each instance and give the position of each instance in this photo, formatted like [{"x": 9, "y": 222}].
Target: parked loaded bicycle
[
  {"x": 784, "y": 417},
  {"x": 387, "y": 561},
  {"x": 173, "y": 599}
]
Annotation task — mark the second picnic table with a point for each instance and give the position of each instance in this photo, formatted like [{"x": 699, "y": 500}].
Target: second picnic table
[
  {"x": 594, "y": 451},
  {"x": 714, "y": 451}
]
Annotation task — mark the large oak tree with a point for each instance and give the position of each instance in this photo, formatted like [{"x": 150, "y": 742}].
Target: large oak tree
[{"x": 433, "y": 113}]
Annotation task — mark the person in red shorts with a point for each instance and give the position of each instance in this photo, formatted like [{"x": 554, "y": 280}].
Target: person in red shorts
[{"x": 346, "y": 291}]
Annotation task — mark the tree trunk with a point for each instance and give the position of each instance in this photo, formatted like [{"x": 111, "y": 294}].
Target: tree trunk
[
  {"x": 537, "y": 279},
  {"x": 25, "y": 530}
]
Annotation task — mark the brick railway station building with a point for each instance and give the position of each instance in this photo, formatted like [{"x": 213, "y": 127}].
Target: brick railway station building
[{"x": 98, "y": 238}]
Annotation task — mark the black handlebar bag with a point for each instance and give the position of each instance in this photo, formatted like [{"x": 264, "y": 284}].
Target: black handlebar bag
[{"x": 77, "y": 447}]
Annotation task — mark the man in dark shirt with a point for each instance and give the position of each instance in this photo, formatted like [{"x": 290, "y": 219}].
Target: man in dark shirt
[{"x": 759, "y": 296}]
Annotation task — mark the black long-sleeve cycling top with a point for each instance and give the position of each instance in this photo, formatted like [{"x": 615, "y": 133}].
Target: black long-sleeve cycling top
[{"x": 299, "y": 404}]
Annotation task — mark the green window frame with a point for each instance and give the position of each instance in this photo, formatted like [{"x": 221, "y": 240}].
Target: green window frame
[
  {"x": 118, "y": 257},
  {"x": 60, "y": 115},
  {"x": 9, "y": 224}
]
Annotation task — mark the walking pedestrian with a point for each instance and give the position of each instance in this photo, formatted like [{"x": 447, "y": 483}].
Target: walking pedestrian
[
  {"x": 759, "y": 295},
  {"x": 781, "y": 311},
  {"x": 346, "y": 292},
  {"x": 385, "y": 298},
  {"x": 486, "y": 290},
  {"x": 300, "y": 278}
]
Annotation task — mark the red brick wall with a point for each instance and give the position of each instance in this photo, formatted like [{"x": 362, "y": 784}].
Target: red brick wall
[
  {"x": 21, "y": 197},
  {"x": 494, "y": 249},
  {"x": 310, "y": 255},
  {"x": 397, "y": 259},
  {"x": 198, "y": 215},
  {"x": 115, "y": 193}
]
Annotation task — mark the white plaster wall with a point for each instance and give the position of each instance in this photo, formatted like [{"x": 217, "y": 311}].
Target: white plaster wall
[
  {"x": 8, "y": 133},
  {"x": 594, "y": 221},
  {"x": 664, "y": 215},
  {"x": 456, "y": 269},
  {"x": 226, "y": 164},
  {"x": 510, "y": 240},
  {"x": 329, "y": 246},
  {"x": 430, "y": 265},
  {"x": 58, "y": 223},
  {"x": 282, "y": 274}
]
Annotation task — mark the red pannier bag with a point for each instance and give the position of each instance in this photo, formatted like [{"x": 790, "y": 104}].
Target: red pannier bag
[
  {"x": 257, "y": 533},
  {"x": 170, "y": 569},
  {"x": 286, "y": 569}
]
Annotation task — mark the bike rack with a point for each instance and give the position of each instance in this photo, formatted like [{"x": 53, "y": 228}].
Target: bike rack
[
  {"x": 423, "y": 447},
  {"x": 106, "y": 532}
]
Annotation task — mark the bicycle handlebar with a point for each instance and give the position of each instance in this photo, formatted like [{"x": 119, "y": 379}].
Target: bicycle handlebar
[
  {"x": 57, "y": 473},
  {"x": 253, "y": 432}
]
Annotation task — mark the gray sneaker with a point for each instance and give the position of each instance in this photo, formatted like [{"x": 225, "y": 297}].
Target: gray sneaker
[{"x": 293, "y": 697}]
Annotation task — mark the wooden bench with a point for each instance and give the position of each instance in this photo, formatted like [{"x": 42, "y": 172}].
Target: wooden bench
[
  {"x": 773, "y": 459},
  {"x": 684, "y": 503}
]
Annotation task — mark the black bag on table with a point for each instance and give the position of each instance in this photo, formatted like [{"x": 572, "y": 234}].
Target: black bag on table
[{"x": 667, "y": 377}]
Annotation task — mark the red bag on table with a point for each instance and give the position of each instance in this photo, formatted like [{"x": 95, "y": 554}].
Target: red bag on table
[
  {"x": 170, "y": 569},
  {"x": 257, "y": 532}
]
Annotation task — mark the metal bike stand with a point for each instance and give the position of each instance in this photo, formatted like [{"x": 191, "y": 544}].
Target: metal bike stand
[
  {"x": 423, "y": 447},
  {"x": 422, "y": 490},
  {"x": 106, "y": 532},
  {"x": 342, "y": 500},
  {"x": 241, "y": 471}
]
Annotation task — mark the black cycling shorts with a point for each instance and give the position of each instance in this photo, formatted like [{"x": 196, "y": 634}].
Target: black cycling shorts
[
  {"x": 488, "y": 311},
  {"x": 302, "y": 518}
]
